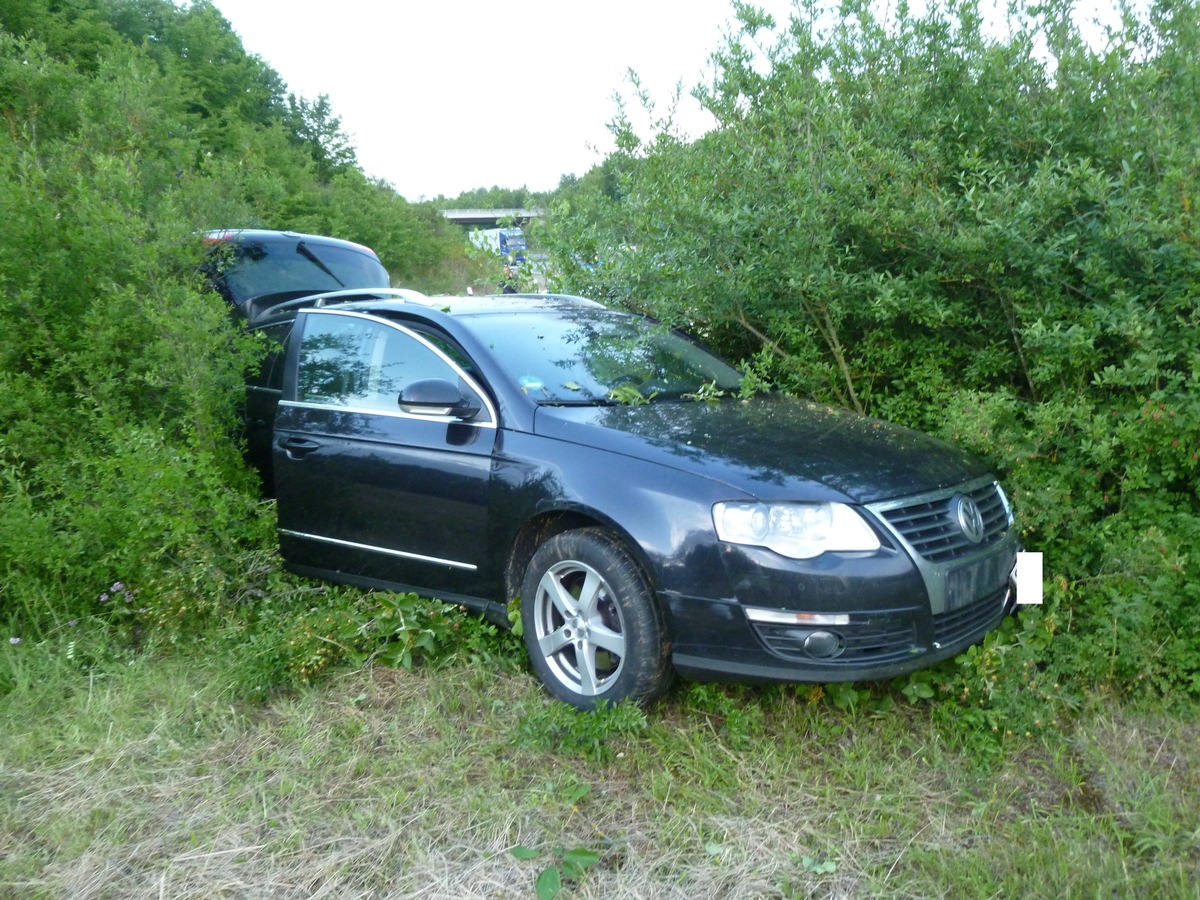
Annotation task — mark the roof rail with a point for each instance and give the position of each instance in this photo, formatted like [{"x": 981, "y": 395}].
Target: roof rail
[
  {"x": 345, "y": 296},
  {"x": 573, "y": 299}
]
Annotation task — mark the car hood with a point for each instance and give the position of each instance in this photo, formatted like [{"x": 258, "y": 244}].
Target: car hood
[{"x": 770, "y": 447}]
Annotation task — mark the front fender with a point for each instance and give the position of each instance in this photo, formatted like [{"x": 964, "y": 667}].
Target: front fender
[{"x": 664, "y": 515}]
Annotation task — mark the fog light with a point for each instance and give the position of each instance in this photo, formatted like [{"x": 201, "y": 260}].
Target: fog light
[{"x": 823, "y": 645}]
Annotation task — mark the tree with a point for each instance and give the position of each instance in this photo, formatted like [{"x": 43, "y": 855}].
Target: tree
[
  {"x": 320, "y": 133},
  {"x": 135, "y": 125}
]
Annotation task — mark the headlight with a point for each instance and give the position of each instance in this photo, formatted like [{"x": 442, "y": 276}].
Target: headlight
[{"x": 795, "y": 530}]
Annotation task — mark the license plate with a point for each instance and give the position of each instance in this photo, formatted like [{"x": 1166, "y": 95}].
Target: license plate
[{"x": 967, "y": 584}]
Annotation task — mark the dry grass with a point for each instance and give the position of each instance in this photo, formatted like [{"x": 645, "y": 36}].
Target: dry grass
[{"x": 396, "y": 784}]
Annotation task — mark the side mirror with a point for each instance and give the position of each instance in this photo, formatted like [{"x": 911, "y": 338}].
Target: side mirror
[{"x": 437, "y": 397}]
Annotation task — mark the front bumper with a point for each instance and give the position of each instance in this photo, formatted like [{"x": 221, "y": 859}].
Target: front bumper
[
  {"x": 876, "y": 645},
  {"x": 926, "y": 596}
]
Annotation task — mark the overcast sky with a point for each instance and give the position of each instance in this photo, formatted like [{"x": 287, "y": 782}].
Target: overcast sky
[{"x": 442, "y": 97}]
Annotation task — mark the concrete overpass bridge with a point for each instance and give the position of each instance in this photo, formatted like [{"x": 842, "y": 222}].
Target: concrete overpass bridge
[{"x": 491, "y": 218}]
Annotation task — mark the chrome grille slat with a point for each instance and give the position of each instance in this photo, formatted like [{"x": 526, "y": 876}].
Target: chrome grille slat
[{"x": 929, "y": 529}]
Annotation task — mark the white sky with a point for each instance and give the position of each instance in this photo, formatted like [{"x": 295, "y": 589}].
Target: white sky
[{"x": 443, "y": 96}]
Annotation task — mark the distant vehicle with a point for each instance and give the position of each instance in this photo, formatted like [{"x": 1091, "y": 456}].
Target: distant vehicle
[
  {"x": 506, "y": 243},
  {"x": 611, "y": 474},
  {"x": 259, "y": 269}
]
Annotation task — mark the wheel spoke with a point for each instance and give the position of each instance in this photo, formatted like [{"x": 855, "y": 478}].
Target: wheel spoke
[
  {"x": 589, "y": 595},
  {"x": 554, "y": 642},
  {"x": 607, "y": 639},
  {"x": 589, "y": 684},
  {"x": 563, "y": 601}
]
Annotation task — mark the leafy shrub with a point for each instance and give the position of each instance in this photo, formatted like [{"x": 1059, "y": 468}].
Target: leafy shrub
[
  {"x": 288, "y": 631},
  {"x": 120, "y": 378},
  {"x": 973, "y": 236}
]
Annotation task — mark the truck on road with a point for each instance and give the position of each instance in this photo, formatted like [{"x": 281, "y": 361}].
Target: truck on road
[{"x": 506, "y": 243}]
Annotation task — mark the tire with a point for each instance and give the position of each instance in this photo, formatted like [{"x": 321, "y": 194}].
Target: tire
[{"x": 593, "y": 630}]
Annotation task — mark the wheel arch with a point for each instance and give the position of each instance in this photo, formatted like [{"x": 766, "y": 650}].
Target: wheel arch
[{"x": 549, "y": 523}]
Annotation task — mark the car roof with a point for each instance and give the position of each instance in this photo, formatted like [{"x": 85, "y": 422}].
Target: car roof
[{"x": 268, "y": 235}]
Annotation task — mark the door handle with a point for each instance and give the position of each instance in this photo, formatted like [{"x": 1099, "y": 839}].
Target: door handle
[{"x": 297, "y": 447}]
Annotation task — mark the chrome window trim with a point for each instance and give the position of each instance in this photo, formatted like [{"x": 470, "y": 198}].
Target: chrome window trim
[
  {"x": 493, "y": 418},
  {"x": 398, "y": 414}
]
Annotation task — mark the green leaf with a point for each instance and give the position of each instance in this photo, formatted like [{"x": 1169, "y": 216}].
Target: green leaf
[
  {"x": 549, "y": 883},
  {"x": 577, "y": 793},
  {"x": 581, "y": 859},
  {"x": 522, "y": 852}
]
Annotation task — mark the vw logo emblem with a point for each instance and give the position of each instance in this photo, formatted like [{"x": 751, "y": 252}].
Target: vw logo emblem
[{"x": 964, "y": 511}]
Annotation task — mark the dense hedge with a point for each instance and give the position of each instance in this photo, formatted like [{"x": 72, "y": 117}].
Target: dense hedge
[
  {"x": 987, "y": 237},
  {"x": 125, "y": 129}
]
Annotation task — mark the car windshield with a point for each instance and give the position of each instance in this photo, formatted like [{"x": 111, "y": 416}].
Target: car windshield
[
  {"x": 259, "y": 268},
  {"x": 600, "y": 356}
]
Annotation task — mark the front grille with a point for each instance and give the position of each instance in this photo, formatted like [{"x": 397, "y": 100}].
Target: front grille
[
  {"x": 968, "y": 622},
  {"x": 931, "y": 530}
]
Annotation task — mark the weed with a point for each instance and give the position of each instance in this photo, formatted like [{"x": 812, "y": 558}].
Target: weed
[
  {"x": 567, "y": 864},
  {"x": 707, "y": 392},
  {"x": 562, "y": 729},
  {"x": 630, "y": 395}
]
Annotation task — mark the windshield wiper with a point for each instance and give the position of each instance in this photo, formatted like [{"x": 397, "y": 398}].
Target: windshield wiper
[
  {"x": 303, "y": 250},
  {"x": 593, "y": 401}
]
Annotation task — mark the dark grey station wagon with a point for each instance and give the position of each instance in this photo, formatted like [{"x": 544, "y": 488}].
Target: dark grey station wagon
[{"x": 611, "y": 474}]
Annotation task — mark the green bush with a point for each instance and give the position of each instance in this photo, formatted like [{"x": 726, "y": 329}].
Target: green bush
[
  {"x": 986, "y": 237},
  {"x": 120, "y": 377}
]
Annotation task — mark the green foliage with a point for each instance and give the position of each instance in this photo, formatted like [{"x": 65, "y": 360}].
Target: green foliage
[
  {"x": 594, "y": 735},
  {"x": 289, "y": 631},
  {"x": 120, "y": 380},
  {"x": 406, "y": 629},
  {"x": 707, "y": 393},
  {"x": 319, "y": 131},
  {"x": 492, "y": 198},
  {"x": 125, "y": 129},
  {"x": 732, "y": 711},
  {"x": 628, "y": 395},
  {"x": 569, "y": 865},
  {"x": 986, "y": 237}
]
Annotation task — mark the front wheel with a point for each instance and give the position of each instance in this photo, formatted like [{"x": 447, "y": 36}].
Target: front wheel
[{"x": 592, "y": 628}]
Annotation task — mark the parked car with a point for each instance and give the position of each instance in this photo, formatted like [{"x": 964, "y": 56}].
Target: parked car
[
  {"x": 609, "y": 472},
  {"x": 256, "y": 269}
]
